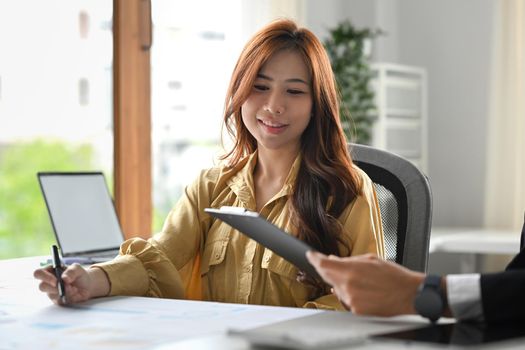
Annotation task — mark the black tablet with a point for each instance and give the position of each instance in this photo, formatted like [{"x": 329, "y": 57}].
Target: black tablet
[
  {"x": 259, "y": 229},
  {"x": 459, "y": 334}
]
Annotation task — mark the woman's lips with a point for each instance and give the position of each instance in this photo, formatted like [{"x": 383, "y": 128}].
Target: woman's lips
[{"x": 272, "y": 126}]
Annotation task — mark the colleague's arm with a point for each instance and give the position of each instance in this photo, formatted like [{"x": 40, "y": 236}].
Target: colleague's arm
[
  {"x": 371, "y": 286},
  {"x": 464, "y": 296},
  {"x": 503, "y": 296},
  {"x": 368, "y": 285},
  {"x": 503, "y": 293},
  {"x": 490, "y": 297}
]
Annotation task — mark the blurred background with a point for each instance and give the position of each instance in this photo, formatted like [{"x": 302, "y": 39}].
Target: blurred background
[{"x": 447, "y": 82}]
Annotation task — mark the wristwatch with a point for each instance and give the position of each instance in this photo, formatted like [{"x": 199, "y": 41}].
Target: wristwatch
[{"x": 430, "y": 301}]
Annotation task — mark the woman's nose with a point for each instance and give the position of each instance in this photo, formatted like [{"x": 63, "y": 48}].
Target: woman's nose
[{"x": 275, "y": 104}]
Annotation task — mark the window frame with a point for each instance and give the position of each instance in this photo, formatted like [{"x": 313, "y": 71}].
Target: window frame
[{"x": 132, "y": 116}]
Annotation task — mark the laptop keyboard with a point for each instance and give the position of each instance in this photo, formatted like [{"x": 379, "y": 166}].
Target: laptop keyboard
[
  {"x": 106, "y": 254},
  {"x": 91, "y": 258}
]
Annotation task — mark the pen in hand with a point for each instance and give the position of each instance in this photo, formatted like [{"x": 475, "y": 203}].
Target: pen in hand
[{"x": 57, "y": 266}]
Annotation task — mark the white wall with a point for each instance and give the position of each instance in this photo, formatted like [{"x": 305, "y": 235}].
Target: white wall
[
  {"x": 452, "y": 40},
  {"x": 323, "y": 15}
]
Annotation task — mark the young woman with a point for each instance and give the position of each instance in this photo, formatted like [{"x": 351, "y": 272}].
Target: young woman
[{"x": 289, "y": 162}]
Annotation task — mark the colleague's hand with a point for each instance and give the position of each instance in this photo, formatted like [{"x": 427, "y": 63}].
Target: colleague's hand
[
  {"x": 368, "y": 285},
  {"x": 80, "y": 284}
]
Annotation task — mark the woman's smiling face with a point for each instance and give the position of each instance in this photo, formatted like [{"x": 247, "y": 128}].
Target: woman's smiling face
[{"x": 279, "y": 108}]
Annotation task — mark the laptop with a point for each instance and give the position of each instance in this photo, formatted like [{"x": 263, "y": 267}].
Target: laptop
[{"x": 82, "y": 215}]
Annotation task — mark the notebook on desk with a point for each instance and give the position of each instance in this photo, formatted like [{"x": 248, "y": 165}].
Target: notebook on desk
[{"x": 82, "y": 215}]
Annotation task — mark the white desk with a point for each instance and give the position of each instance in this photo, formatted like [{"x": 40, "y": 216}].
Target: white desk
[
  {"x": 474, "y": 241},
  {"x": 28, "y": 320}
]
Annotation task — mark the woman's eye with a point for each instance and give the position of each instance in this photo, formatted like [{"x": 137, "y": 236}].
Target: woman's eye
[
  {"x": 295, "y": 92},
  {"x": 260, "y": 87}
]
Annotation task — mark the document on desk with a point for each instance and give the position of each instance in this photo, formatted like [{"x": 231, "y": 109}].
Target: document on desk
[{"x": 133, "y": 323}]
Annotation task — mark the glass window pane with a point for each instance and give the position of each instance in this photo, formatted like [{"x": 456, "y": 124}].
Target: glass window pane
[
  {"x": 195, "y": 46},
  {"x": 55, "y": 108}
]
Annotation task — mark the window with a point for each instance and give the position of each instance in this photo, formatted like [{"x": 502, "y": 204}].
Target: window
[
  {"x": 56, "y": 110},
  {"x": 195, "y": 46}
]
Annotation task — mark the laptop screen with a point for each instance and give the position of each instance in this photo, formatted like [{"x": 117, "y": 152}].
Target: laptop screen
[{"x": 81, "y": 211}]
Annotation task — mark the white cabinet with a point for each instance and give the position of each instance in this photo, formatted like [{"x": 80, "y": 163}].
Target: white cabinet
[{"x": 400, "y": 125}]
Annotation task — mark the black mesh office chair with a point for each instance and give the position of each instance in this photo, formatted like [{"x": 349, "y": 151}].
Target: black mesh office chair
[{"x": 405, "y": 200}]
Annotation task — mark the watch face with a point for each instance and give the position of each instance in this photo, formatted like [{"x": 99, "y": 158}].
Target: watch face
[{"x": 428, "y": 303}]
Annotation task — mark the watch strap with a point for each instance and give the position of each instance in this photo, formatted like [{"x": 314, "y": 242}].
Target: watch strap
[{"x": 430, "y": 300}]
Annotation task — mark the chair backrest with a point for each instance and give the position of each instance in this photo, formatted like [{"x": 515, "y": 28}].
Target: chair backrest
[{"x": 405, "y": 201}]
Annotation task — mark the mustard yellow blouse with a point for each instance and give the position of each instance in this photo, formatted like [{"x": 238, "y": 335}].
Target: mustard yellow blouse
[{"x": 198, "y": 257}]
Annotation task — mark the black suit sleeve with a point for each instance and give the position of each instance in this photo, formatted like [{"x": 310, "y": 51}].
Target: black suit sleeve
[
  {"x": 522, "y": 241},
  {"x": 503, "y": 296},
  {"x": 503, "y": 293}
]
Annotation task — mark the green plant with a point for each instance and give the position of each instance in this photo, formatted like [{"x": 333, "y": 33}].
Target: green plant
[
  {"x": 25, "y": 229},
  {"x": 346, "y": 49}
]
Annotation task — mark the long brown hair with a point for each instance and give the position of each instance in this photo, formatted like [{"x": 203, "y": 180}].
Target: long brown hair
[{"x": 326, "y": 182}]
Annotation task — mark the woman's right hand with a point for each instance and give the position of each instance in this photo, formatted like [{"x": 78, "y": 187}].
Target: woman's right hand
[{"x": 80, "y": 284}]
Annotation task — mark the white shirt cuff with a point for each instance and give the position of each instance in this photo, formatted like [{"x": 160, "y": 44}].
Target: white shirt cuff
[{"x": 464, "y": 296}]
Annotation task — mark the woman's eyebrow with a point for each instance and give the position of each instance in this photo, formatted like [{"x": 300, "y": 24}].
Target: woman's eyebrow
[{"x": 291, "y": 80}]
